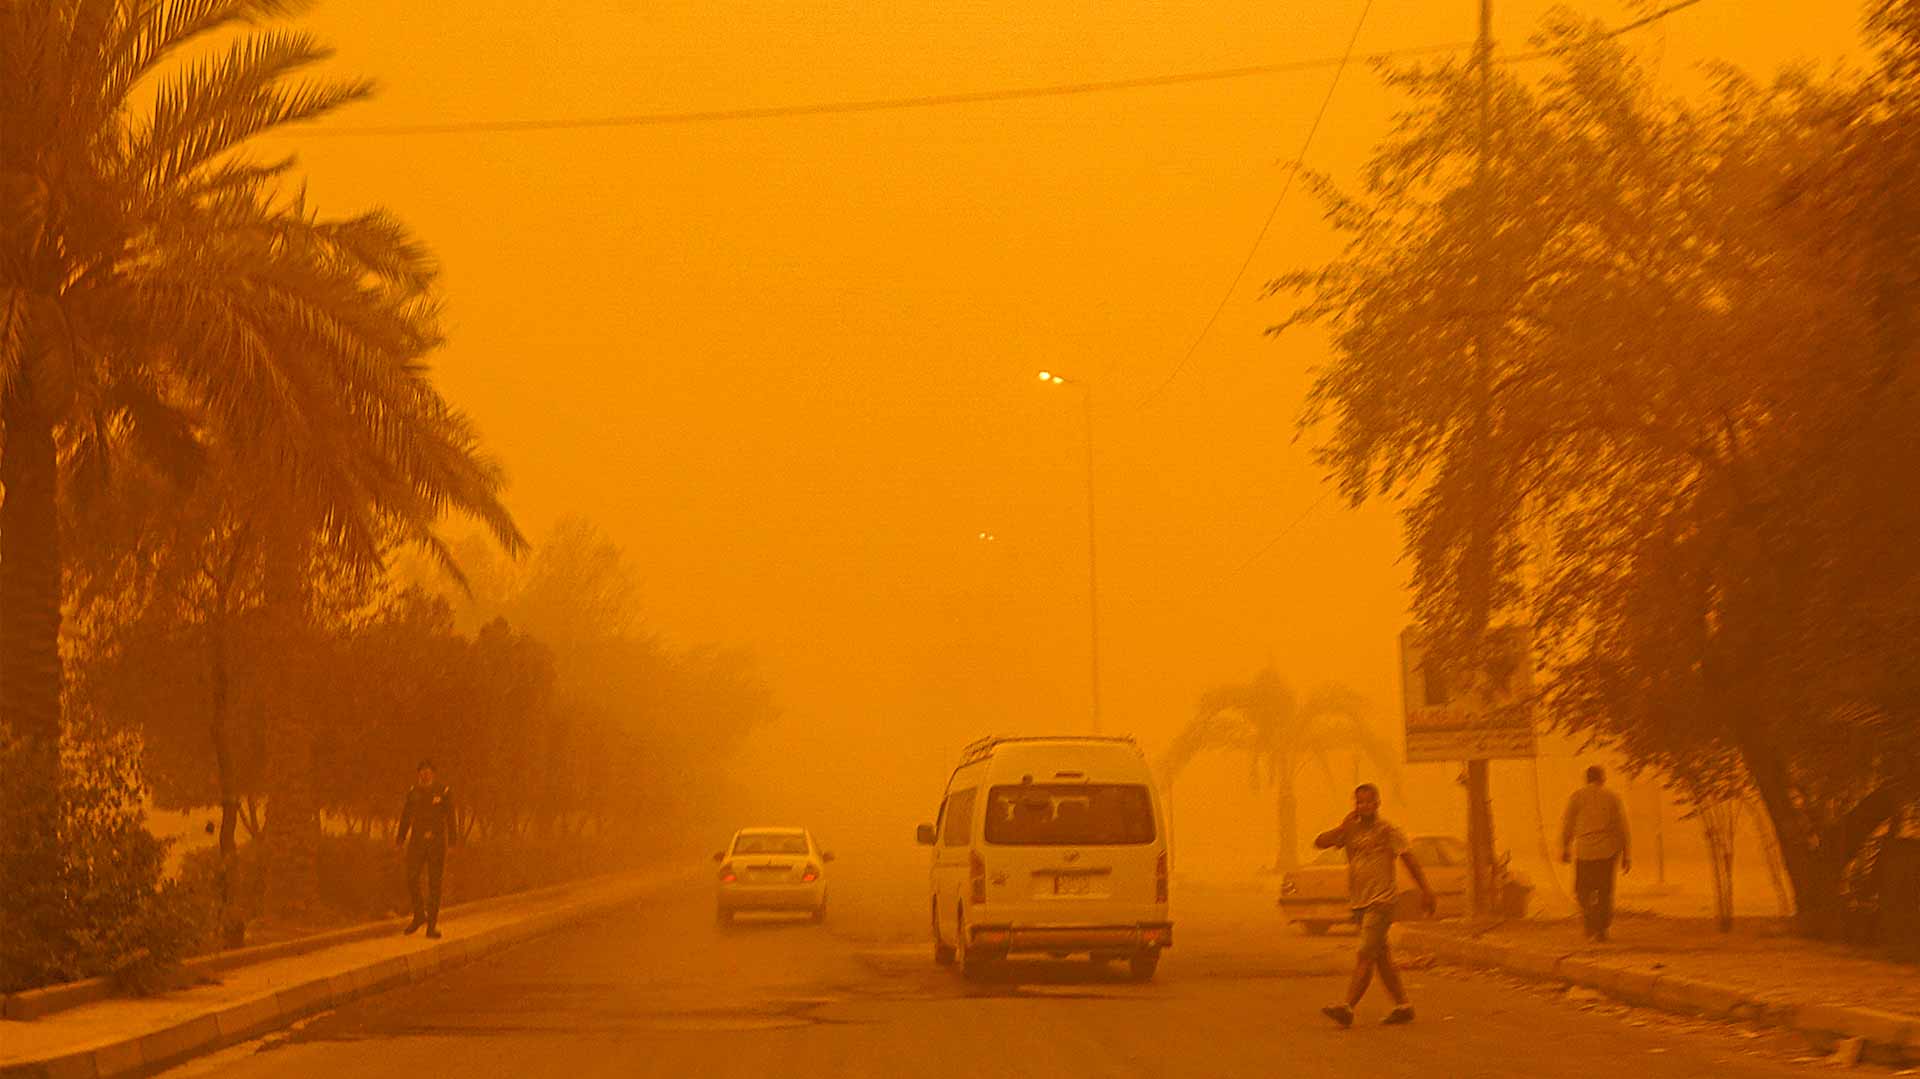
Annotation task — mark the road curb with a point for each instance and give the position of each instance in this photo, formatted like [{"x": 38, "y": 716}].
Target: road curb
[
  {"x": 149, "y": 1051},
  {"x": 33, "y": 1004},
  {"x": 1887, "y": 1037}
]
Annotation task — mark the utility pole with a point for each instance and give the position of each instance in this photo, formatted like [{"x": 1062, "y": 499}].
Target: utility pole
[
  {"x": 1093, "y": 575},
  {"x": 1478, "y": 567},
  {"x": 1093, "y": 572}
]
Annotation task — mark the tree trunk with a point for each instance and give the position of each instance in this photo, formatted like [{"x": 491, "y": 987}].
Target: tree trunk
[
  {"x": 1816, "y": 856},
  {"x": 30, "y": 675},
  {"x": 233, "y": 928},
  {"x": 250, "y": 816},
  {"x": 1770, "y": 848},
  {"x": 1286, "y": 816}
]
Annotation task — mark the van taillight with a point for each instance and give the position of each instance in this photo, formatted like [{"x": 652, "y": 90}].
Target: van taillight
[
  {"x": 977, "y": 872},
  {"x": 1160, "y": 878}
]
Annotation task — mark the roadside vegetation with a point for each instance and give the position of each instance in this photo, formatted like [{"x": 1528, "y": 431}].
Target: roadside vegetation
[
  {"x": 227, "y": 472},
  {"x": 1643, "y": 373}
]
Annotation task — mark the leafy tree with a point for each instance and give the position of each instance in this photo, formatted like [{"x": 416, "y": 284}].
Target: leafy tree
[
  {"x": 1279, "y": 734},
  {"x": 160, "y": 297},
  {"x": 1662, "y": 384}
]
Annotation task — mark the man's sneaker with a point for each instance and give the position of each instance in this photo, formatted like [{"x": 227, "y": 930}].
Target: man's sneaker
[
  {"x": 1339, "y": 1013},
  {"x": 433, "y": 934},
  {"x": 1399, "y": 1015},
  {"x": 414, "y": 926}
]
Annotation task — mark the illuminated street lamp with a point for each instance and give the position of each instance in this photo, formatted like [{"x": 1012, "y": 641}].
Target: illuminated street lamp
[{"x": 1093, "y": 577}]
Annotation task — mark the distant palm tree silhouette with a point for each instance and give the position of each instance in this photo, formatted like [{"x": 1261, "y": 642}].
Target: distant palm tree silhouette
[{"x": 1279, "y": 734}]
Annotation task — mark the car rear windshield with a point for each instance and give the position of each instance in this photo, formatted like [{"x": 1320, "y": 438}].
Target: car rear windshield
[
  {"x": 770, "y": 844},
  {"x": 1069, "y": 815}
]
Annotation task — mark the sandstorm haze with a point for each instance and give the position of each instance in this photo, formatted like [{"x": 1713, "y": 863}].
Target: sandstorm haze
[
  {"x": 615, "y": 424},
  {"x": 788, "y": 365}
]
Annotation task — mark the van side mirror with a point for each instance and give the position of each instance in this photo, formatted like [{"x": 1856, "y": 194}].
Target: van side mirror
[
  {"x": 826, "y": 856},
  {"x": 720, "y": 856},
  {"x": 925, "y": 835}
]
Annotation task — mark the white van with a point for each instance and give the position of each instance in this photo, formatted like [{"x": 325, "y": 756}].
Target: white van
[{"x": 1050, "y": 846}]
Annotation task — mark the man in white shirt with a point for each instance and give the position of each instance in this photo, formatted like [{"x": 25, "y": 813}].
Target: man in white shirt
[
  {"x": 1373, "y": 847},
  {"x": 1593, "y": 835}
]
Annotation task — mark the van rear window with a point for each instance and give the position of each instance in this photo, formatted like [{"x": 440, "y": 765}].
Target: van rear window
[{"x": 1069, "y": 815}]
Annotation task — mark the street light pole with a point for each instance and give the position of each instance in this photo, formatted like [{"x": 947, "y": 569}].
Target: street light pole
[
  {"x": 1093, "y": 563},
  {"x": 1093, "y": 575}
]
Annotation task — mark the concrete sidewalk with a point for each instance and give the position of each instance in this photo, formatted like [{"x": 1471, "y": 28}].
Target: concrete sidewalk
[
  {"x": 1831, "y": 994},
  {"x": 138, "y": 1036}
]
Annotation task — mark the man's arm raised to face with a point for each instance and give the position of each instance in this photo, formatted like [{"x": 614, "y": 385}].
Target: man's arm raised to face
[{"x": 1335, "y": 836}]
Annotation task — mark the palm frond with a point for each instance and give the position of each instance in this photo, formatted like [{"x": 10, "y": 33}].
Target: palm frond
[
  {"x": 154, "y": 30},
  {"x": 216, "y": 104}
]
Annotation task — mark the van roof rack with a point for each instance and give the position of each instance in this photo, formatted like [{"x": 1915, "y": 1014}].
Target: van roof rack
[{"x": 984, "y": 747}]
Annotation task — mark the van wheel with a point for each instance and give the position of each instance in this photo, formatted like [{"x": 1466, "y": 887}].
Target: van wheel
[
  {"x": 973, "y": 966},
  {"x": 1143, "y": 966},
  {"x": 942, "y": 951}
]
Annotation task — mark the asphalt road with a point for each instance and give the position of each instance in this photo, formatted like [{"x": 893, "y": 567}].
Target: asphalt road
[{"x": 660, "y": 990}]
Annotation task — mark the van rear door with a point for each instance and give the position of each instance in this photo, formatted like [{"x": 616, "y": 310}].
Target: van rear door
[{"x": 1066, "y": 847}]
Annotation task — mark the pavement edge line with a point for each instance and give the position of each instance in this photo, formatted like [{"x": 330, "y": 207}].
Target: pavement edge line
[
  {"x": 230, "y": 1024},
  {"x": 1889, "y": 1037}
]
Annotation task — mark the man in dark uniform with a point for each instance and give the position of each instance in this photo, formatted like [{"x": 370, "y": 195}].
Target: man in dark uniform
[{"x": 428, "y": 819}]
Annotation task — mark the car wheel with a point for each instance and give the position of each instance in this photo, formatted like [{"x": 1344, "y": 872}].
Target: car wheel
[
  {"x": 1144, "y": 965},
  {"x": 1316, "y": 929},
  {"x": 723, "y": 918},
  {"x": 819, "y": 914}
]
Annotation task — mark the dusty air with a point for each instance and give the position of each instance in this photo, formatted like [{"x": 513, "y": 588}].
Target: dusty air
[{"x": 1353, "y": 538}]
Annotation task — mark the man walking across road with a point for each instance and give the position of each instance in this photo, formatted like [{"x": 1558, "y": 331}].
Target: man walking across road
[
  {"x": 427, "y": 818},
  {"x": 1592, "y": 836},
  {"x": 1373, "y": 846}
]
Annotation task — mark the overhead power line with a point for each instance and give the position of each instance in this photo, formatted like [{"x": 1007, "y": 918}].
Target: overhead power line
[
  {"x": 886, "y": 104},
  {"x": 1622, "y": 30},
  {"x": 1282, "y": 534},
  {"x": 923, "y": 101},
  {"x": 1299, "y": 162}
]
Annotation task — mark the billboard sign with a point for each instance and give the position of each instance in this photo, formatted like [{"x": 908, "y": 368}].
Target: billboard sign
[{"x": 1482, "y": 716}]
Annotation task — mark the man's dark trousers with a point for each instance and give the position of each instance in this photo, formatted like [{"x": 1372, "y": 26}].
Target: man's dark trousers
[
  {"x": 430, "y": 855},
  {"x": 1593, "y": 887}
]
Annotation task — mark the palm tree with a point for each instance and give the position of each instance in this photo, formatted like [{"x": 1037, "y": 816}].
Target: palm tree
[
  {"x": 1279, "y": 734},
  {"x": 160, "y": 294}
]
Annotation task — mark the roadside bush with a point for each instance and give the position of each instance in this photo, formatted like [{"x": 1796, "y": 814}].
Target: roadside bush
[{"x": 99, "y": 902}]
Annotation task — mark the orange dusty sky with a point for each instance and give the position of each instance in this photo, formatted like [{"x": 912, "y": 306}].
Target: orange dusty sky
[{"x": 789, "y": 364}]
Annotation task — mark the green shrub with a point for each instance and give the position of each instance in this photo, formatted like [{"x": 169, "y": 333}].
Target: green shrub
[{"x": 90, "y": 898}]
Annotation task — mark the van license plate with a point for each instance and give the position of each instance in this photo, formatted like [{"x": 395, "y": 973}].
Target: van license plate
[{"x": 1078, "y": 884}]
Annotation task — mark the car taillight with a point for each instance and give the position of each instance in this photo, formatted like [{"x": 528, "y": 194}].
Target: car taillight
[
  {"x": 810, "y": 874},
  {"x": 977, "y": 872},
  {"x": 1289, "y": 886},
  {"x": 1160, "y": 878},
  {"x": 727, "y": 875}
]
